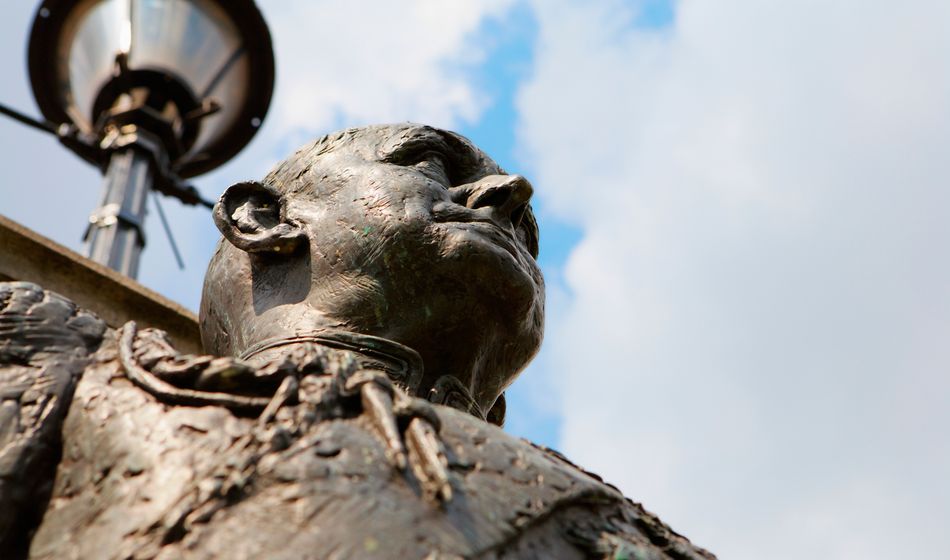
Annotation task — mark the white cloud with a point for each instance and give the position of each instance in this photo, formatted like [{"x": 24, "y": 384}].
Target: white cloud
[
  {"x": 368, "y": 62},
  {"x": 757, "y": 343}
]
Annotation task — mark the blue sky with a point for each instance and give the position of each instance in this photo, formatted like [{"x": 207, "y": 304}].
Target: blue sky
[{"x": 744, "y": 227}]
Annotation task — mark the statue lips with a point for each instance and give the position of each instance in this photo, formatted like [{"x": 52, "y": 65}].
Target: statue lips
[{"x": 498, "y": 235}]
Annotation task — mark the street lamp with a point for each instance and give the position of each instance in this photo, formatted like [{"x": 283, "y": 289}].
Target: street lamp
[{"x": 152, "y": 92}]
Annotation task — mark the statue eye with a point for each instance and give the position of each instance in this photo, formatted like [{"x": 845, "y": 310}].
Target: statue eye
[
  {"x": 528, "y": 232},
  {"x": 433, "y": 165}
]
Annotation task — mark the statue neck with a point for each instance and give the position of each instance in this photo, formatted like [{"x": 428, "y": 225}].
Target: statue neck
[{"x": 402, "y": 364}]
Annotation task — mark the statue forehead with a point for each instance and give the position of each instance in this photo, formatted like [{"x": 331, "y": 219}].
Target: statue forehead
[{"x": 401, "y": 144}]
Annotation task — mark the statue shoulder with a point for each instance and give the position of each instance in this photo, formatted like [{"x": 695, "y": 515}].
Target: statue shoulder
[
  {"x": 45, "y": 343},
  {"x": 540, "y": 499}
]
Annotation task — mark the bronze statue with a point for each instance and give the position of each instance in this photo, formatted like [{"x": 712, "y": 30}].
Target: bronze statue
[{"x": 374, "y": 296}]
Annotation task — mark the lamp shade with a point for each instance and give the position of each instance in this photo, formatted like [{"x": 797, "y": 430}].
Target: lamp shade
[{"x": 212, "y": 60}]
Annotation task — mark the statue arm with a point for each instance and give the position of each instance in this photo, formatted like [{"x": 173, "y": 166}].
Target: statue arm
[{"x": 45, "y": 342}]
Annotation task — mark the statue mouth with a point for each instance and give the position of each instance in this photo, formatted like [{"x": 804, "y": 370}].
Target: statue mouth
[
  {"x": 496, "y": 234},
  {"x": 483, "y": 225}
]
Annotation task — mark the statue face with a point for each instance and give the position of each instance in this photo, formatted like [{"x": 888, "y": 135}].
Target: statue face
[{"x": 407, "y": 232}]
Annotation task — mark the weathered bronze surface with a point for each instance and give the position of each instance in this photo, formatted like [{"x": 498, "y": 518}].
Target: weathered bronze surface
[{"x": 372, "y": 298}]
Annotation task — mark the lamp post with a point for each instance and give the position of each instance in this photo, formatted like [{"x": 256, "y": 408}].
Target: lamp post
[{"x": 152, "y": 92}]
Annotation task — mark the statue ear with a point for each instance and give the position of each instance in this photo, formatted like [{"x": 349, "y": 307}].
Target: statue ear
[{"x": 252, "y": 217}]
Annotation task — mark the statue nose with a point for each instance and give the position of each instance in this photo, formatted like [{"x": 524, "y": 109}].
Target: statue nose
[{"x": 506, "y": 195}]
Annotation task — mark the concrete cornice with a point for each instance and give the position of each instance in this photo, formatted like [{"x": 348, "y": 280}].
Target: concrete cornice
[{"x": 27, "y": 256}]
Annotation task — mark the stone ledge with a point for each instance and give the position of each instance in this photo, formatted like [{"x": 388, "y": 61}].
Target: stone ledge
[{"x": 27, "y": 256}]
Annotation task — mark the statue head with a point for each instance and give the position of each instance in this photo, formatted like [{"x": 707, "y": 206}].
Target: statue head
[{"x": 403, "y": 232}]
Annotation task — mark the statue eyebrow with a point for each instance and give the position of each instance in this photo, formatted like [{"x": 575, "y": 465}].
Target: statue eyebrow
[{"x": 407, "y": 148}]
